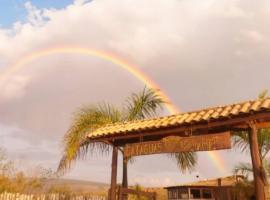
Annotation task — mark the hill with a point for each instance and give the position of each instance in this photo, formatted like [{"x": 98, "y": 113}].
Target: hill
[{"x": 77, "y": 185}]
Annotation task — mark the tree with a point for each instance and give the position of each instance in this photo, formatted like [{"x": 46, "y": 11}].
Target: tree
[
  {"x": 138, "y": 106},
  {"x": 6, "y": 166},
  {"x": 241, "y": 141}
]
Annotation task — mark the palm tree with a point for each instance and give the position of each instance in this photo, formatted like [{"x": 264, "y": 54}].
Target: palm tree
[
  {"x": 138, "y": 106},
  {"x": 241, "y": 141}
]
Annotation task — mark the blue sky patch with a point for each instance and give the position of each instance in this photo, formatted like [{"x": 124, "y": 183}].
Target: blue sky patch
[{"x": 14, "y": 10}]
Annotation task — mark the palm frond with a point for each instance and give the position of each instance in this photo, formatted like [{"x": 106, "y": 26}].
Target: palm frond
[
  {"x": 264, "y": 142},
  {"x": 186, "y": 161},
  {"x": 263, "y": 94},
  {"x": 87, "y": 148},
  {"x": 86, "y": 119},
  {"x": 244, "y": 169},
  {"x": 266, "y": 165},
  {"x": 240, "y": 140},
  {"x": 144, "y": 104}
]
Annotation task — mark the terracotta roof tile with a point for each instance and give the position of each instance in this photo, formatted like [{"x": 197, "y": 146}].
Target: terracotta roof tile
[
  {"x": 184, "y": 118},
  {"x": 256, "y": 105},
  {"x": 225, "y": 181},
  {"x": 266, "y": 103}
]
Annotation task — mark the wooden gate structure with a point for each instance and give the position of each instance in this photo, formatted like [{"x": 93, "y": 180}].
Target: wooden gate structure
[{"x": 202, "y": 130}]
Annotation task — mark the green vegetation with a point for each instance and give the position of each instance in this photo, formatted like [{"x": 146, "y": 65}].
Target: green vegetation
[
  {"x": 241, "y": 141},
  {"x": 137, "y": 188},
  {"x": 12, "y": 180},
  {"x": 42, "y": 182},
  {"x": 243, "y": 190},
  {"x": 138, "y": 106},
  {"x": 161, "y": 193}
]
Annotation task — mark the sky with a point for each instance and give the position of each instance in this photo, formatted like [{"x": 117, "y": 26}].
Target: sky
[{"x": 200, "y": 52}]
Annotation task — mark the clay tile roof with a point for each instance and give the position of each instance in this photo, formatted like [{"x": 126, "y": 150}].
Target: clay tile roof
[
  {"x": 194, "y": 117},
  {"x": 225, "y": 181}
]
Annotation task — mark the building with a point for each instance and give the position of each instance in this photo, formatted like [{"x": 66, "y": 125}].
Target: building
[{"x": 214, "y": 189}]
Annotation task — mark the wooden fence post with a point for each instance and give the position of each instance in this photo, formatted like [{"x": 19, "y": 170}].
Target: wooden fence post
[{"x": 155, "y": 196}]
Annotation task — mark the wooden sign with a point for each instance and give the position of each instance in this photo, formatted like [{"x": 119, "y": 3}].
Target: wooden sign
[
  {"x": 177, "y": 144},
  {"x": 267, "y": 192}
]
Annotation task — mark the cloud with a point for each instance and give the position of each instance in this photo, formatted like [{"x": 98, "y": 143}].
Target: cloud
[
  {"x": 254, "y": 36},
  {"x": 35, "y": 16},
  {"x": 202, "y": 53},
  {"x": 14, "y": 87}
]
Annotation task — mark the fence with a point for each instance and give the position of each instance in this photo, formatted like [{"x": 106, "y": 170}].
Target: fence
[{"x": 17, "y": 196}]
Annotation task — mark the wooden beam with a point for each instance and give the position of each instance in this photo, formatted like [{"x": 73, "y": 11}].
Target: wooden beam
[
  {"x": 263, "y": 125},
  {"x": 203, "y": 127},
  {"x": 256, "y": 162},
  {"x": 114, "y": 174}
]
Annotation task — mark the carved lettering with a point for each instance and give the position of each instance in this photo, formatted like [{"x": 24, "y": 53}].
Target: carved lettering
[{"x": 176, "y": 144}]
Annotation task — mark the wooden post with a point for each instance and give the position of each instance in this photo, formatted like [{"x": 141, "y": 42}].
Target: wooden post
[
  {"x": 120, "y": 193},
  {"x": 125, "y": 177},
  {"x": 114, "y": 174},
  {"x": 155, "y": 196},
  {"x": 256, "y": 162}
]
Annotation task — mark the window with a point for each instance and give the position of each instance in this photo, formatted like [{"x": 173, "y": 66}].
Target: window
[
  {"x": 195, "y": 193},
  {"x": 206, "y": 193},
  {"x": 173, "y": 194},
  {"x": 182, "y": 193},
  {"x": 170, "y": 194}
]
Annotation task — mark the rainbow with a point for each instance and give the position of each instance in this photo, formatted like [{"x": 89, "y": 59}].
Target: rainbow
[
  {"x": 90, "y": 52},
  {"x": 216, "y": 159}
]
